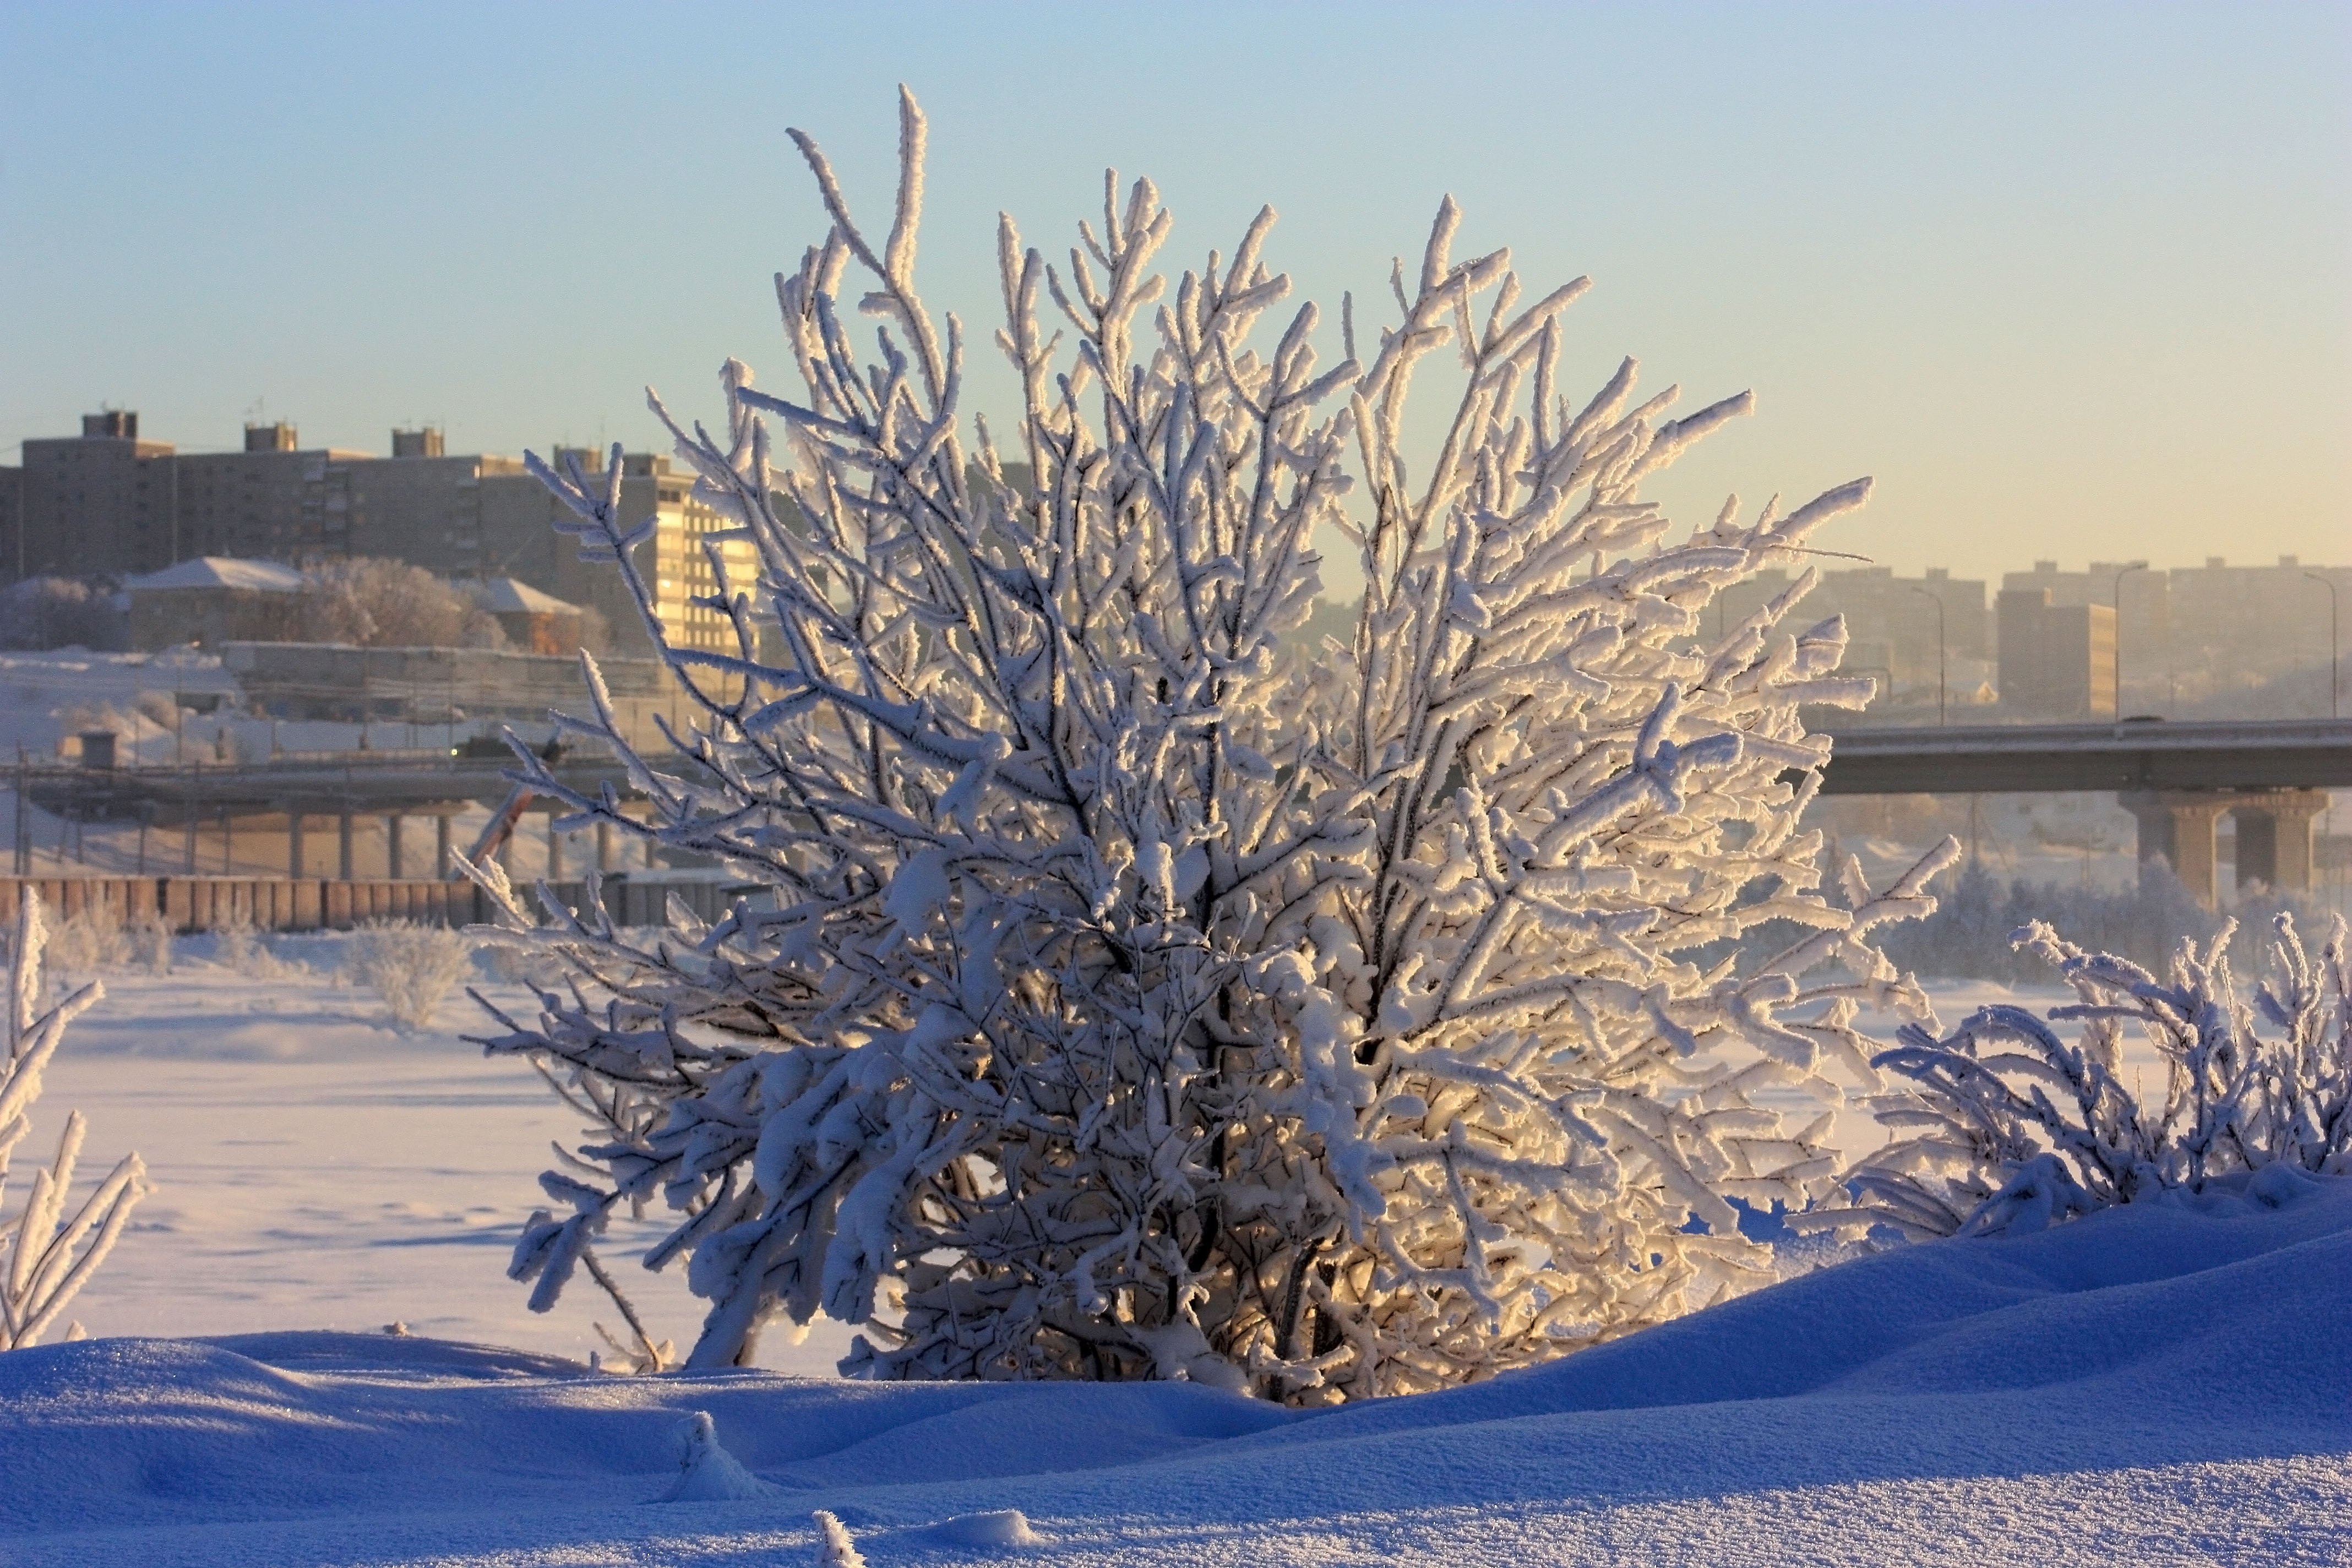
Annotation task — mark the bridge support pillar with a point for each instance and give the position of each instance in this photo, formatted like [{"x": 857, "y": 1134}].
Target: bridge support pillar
[
  {"x": 441, "y": 844},
  {"x": 394, "y": 863},
  {"x": 603, "y": 846},
  {"x": 294, "y": 856},
  {"x": 343, "y": 845},
  {"x": 2180, "y": 827},
  {"x": 2273, "y": 836}
]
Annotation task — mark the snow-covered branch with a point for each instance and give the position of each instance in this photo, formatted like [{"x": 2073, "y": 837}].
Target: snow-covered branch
[{"x": 48, "y": 1255}]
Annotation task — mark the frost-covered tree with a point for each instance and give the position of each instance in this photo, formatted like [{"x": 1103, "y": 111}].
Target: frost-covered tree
[
  {"x": 369, "y": 602},
  {"x": 1140, "y": 999},
  {"x": 48, "y": 1257},
  {"x": 2008, "y": 1125}
]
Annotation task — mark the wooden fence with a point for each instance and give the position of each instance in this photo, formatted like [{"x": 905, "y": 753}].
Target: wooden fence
[{"x": 282, "y": 903}]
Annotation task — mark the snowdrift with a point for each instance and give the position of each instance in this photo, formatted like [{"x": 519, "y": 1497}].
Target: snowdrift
[{"x": 2167, "y": 1383}]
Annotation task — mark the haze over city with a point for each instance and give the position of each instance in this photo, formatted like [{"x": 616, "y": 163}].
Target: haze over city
[{"x": 2071, "y": 282}]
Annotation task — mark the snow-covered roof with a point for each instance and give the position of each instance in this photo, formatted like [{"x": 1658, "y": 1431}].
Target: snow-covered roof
[
  {"x": 222, "y": 571},
  {"x": 506, "y": 596}
]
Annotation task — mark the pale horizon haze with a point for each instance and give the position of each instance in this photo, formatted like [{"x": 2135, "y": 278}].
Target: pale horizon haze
[{"x": 2072, "y": 281}]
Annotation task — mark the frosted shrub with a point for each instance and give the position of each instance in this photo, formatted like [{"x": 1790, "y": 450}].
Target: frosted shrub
[
  {"x": 1140, "y": 1000},
  {"x": 91, "y": 940},
  {"x": 242, "y": 947},
  {"x": 46, "y": 1257},
  {"x": 411, "y": 967},
  {"x": 149, "y": 937},
  {"x": 2008, "y": 1127}
]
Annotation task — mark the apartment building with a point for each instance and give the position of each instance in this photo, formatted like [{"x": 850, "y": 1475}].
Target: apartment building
[
  {"x": 108, "y": 504},
  {"x": 2057, "y": 662},
  {"x": 1907, "y": 631},
  {"x": 100, "y": 503}
]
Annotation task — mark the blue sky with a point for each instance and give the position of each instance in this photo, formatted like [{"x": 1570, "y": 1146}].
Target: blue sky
[{"x": 2071, "y": 280}]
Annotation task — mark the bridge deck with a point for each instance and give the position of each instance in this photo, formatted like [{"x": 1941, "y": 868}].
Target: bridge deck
[
  {"x": 418, "y": 786},
  {"x": 2133, "y": 754}
]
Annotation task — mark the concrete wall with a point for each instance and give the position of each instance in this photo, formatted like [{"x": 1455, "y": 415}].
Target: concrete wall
[
  {"x": 195, "y": 904},
  {"x": 325, "y": 680},
  {"x": 208, "y": 903}
]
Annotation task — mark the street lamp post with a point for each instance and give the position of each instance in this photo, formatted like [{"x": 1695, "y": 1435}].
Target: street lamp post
[
  {"x": 2116, "y": 601},
  {"x": 2334, "y": 654},
  {"x": 1938, "y": 601}
]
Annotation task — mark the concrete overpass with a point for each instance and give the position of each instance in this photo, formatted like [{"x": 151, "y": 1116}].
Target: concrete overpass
[{"x": 2179, "y": 778}]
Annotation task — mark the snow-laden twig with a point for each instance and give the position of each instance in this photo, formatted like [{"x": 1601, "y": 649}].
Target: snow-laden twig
[
  {"x": 1143, "y": 993},
  {"x": 2006, "y": 1125},
  {"x": 48, "y": 1256}
]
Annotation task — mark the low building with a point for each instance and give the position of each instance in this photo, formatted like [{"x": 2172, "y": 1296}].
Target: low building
[
  {"x": 211, "y": 600},
  {"x": 533, "y": 622}
]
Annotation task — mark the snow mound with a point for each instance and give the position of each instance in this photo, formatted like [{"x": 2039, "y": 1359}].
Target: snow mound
[
  {"x": 998, "y": 1527},
  {"x": 2168, "y": 1382}
]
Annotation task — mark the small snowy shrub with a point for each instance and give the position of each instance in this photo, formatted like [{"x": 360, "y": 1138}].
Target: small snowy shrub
[
  {"x": 2007, "y": 1127},
  {"x": 1141, "y": 999},
  {"x": 92, "y": 938},
  {"x": 150, "y": 936},
  {"x": 411, "y": 967},
  {"x": 242, "y": 947},
  {"x": 46, "y": 1257}
]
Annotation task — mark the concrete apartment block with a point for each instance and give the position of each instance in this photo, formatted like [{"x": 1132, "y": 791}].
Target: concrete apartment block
[
  {"x": 2057, "y": 662},
  {"x": 108, "y": 504},
  {"x": 1891, "y": 622}
]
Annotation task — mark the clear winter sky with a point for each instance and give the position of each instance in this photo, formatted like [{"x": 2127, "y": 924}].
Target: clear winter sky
[{"x": 2071, "y": 280}]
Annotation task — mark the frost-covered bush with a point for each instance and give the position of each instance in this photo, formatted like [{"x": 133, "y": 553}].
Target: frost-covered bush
[
  {"x": 92, "y": 938},
  {"x": 411, "y": 967},
  {"x": 242, "y": 947},
  {"x": 2008, "y": 1126},
  {"x": 63, "y": 612},
  {"x": 150, "y": 937},
  {"x": 1970, "y": 935},
  {"x": 369, "y": 602},
  {"x": 1139, "y": 999},
  {"x": 49, "y": 1257}
]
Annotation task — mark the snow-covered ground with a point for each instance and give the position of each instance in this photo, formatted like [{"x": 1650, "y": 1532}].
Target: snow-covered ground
[
  {"x": 315, "y": 1168},
  {"x": 2164, "y": 1384}
]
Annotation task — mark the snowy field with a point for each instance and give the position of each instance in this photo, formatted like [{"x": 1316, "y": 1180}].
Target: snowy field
[
  {"x": 315, "y": 1168},
  {"x": 2159, "y": 1386}
]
